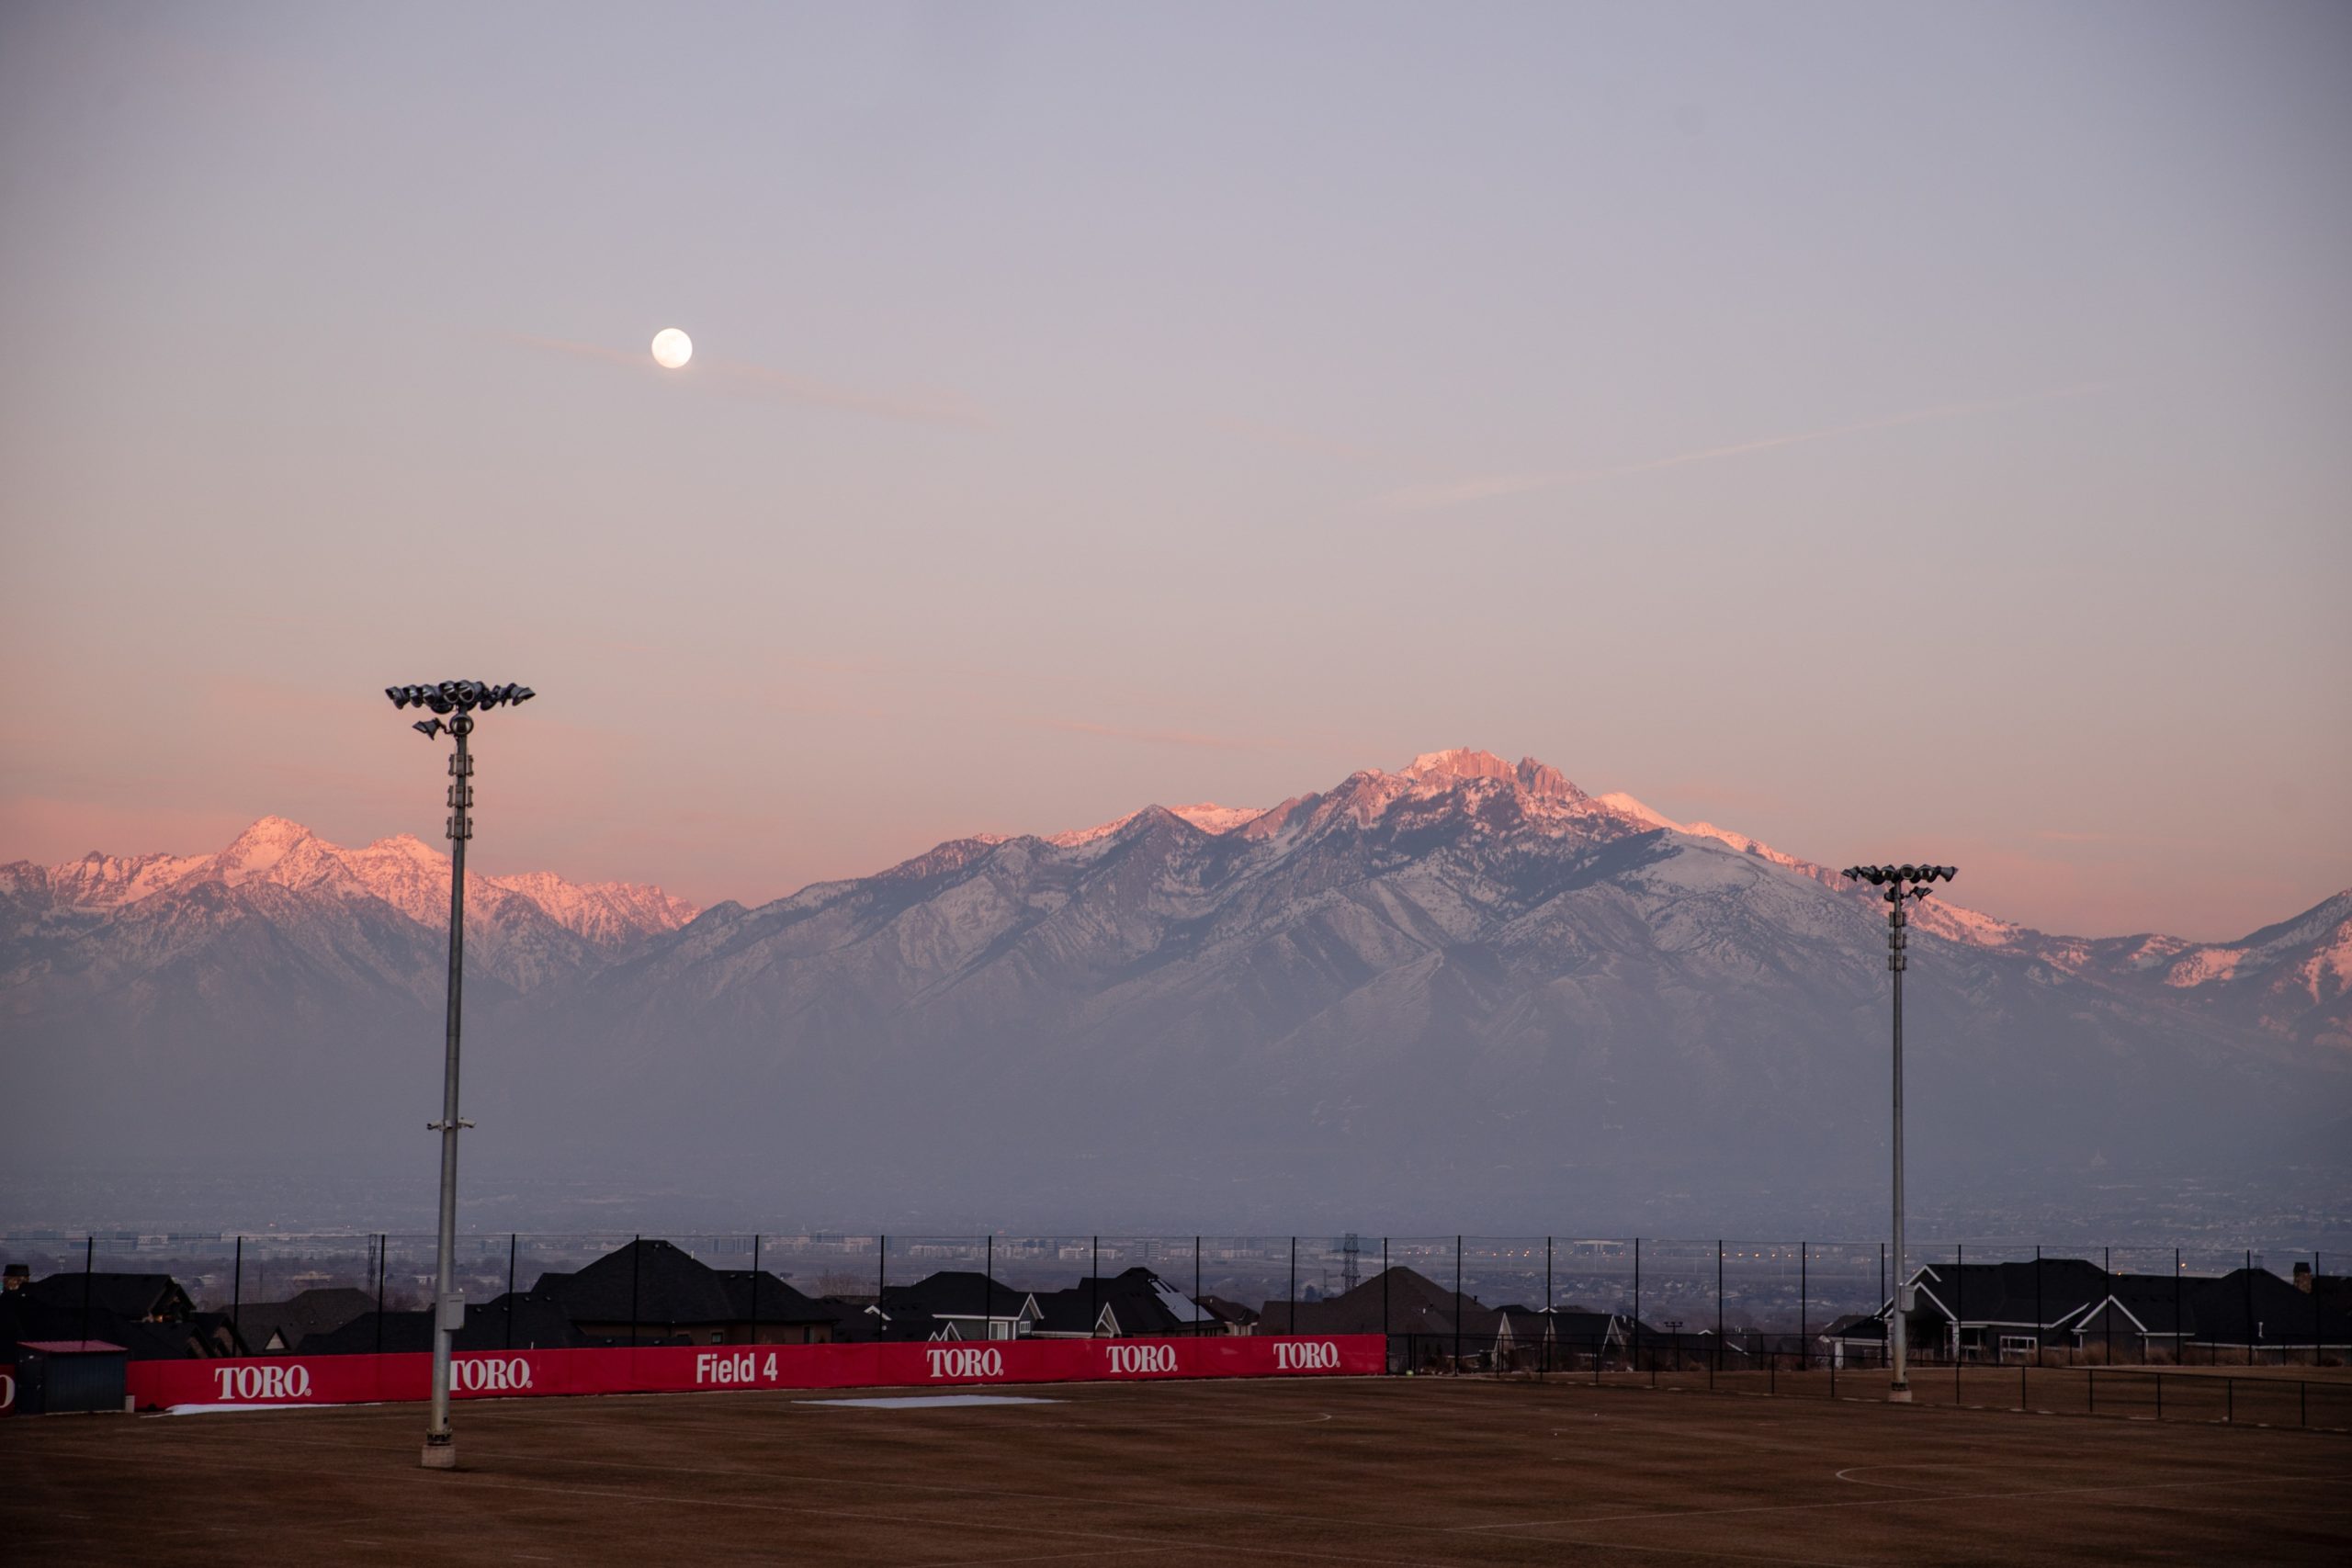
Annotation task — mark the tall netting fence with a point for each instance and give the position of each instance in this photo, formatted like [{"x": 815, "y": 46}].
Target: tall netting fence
[{"x": 2188, "y": 1332}]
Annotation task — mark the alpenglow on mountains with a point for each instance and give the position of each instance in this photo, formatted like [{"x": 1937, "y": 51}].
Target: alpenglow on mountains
[{"x": 1465, "y": 988}]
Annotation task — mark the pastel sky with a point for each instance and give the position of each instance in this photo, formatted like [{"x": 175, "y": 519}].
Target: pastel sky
[{"x": 1907, "y": 431}]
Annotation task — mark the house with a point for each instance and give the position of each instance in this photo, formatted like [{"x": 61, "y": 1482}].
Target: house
[
  {"x": 2244, "y": 1310},
  {"x": 1857, "y": 1339},
  {"x": 1984, "y": 1312},
  {"x": 1569, "y": 1329},
  {"x": 1134, "y": 1303},
  {"x": 1398, "y": 1302},
  {"x": 131, "y": 1298},
  {"x": 518, "y": 1319},
  {"x": 273, "y": 1327},
  {"x": 1230, "y": 1317},
  {"x": 956, "y": 1303},
  {"x": 654, "y": 1292},
  {"x": 147, "y": 1314}
]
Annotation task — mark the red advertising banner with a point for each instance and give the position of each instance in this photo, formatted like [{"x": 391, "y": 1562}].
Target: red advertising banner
[{"x": 681, "y": 1368}]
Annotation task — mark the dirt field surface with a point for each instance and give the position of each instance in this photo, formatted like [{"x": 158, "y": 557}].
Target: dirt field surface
[{"x": 1392, "y": 1472}]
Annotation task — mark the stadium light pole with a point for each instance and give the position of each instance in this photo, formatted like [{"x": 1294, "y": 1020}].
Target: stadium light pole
[
  {"x": 458, "y": 700},
  {"x": 1897, "y": 884}
]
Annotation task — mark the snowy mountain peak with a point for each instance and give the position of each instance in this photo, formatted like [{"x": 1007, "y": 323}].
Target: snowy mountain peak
[
  {"x": 1207, "y": 816},
  {"x": 403, "y": 871}
]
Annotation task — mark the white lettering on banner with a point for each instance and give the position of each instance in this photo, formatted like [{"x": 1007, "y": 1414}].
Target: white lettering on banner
[
  {"x": 713, "y": 1367},
  {"x": 490, "y": 1374},
  {"x": 264, "y": 1382},
  {"x": 1324, "y": 1357},
  {"x": 7, "y": 1392},
  {"x": 964, "y": 1362},
  {"x": 1140, "y": 1358}
]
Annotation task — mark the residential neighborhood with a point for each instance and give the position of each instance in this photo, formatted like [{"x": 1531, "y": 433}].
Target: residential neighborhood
[{"x": 650, "y": 1292}]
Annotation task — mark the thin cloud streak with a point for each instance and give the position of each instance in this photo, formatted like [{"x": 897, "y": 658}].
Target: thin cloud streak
[
  {"x": 743, "y": 379},
  {"x": 1421, "y": 498}
]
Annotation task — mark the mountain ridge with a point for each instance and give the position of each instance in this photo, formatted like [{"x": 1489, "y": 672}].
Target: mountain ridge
[{"x": 1462, "y": 976}]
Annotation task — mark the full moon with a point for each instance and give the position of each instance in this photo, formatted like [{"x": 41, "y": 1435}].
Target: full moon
[{"x": 671, "y": 348}]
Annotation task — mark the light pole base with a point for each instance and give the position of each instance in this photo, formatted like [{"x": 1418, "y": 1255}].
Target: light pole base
[
  {"x": 1899, "y": 1396},
  {"x": 441, "y": 1454}
]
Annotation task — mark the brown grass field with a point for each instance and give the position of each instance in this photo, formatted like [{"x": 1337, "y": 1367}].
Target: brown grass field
[{"x": 1468, "y": 1472}]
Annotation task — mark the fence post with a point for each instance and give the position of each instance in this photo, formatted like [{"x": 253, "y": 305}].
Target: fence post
[
  {"x": 1094, "y": 1285},
  {"x": 1289, "y": 1313},
  {"x": 2250, "y": 1335},
  {"x": 236, "y": 1296},
  {"x": 881, "y": 1272},
  {"x": 1959, "y": 1298},
  {"x": 1547, "y": 1287},
  {"x": 1383, "y": 1301},
  {"x": 2180, "y": 1324},
  {"x": 1457, "y": 1303},
  {"x": 2039, "y": 1319},
  {"x": 636, "y": 1248},
  {"x": 513, "y": 1248},
  {"x": 755, "y": 1288},
  {"x": 1196, "y": 1287},
  {"x": 1637, "y": 1303},
  {"x": 1805, "y": 1331},
  {"x": 987, "y": 1291},
  {"x": 383, "y": 1240},
  {"x": 2107, "y": 1267},
  {"x": 90, "y": 1263}
]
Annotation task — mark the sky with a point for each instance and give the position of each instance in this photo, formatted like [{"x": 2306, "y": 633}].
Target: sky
[{"x": 1890, "y": 431}]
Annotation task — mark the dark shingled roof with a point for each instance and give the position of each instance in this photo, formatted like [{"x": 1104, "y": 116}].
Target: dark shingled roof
[
  {"x": 131, "y": 1296},
  {"x": 520, "y": 1321},
  {"x": 658, "y": 1285},
  {"x": 1415, "y": 1304}
]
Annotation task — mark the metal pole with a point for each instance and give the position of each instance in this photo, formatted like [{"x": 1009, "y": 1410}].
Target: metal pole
[
  {"x": 90, "y": 1261},
  {"x": 1547, "y": 1273},
  {"x": 1383, "y": 1303},
  {"x": 987, "y": 1304},
  {"x": 2179, "y": 1327},
  {"x": 1898, "y": 1337},
  {"x": 1095, "y": 1288},
  {"x": 1457, "y": 1303},
  {"x": 2107, "y": 1267},
  {"x": 881, "y": 1270},
  {"x": 1637, "y": 1303},
  {"x": 1719, "y": 1312},
  {"x": 755, "y": 1287},
  {"x": 1959, "y": 1309},
  {"x": 236, "y": 1294},
  {"x": 1804, "y": 1333},
  {"x": 382, "y": 1241},
  {"x": 2250, "y": 1335},
  {"x": 1196, "y": 1287},
  {"x": 513, "y": 1245},
  {"x": 2038, "y": 1318},
  {"x": 1291, "y": 1326},
  {"x": 636, "y": 1248},
  {"x": 440, "y": 1443}
]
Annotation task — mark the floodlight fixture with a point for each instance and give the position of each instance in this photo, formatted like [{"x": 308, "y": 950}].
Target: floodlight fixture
[
  {"x": 453, "y": 703},
  {"x": 1900, "y": 882}
]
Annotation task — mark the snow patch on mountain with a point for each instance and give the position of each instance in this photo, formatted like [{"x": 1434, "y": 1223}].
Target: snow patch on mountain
[{"x": 403, "y": 871}]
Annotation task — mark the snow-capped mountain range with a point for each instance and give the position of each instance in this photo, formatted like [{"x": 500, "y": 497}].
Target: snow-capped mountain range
[{"x": 1465, "y": 980}]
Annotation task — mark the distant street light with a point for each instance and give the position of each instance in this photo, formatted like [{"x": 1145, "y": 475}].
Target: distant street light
[
  {"x": 1899, "y": 883},
  {"x": 459, "y": 699}
]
